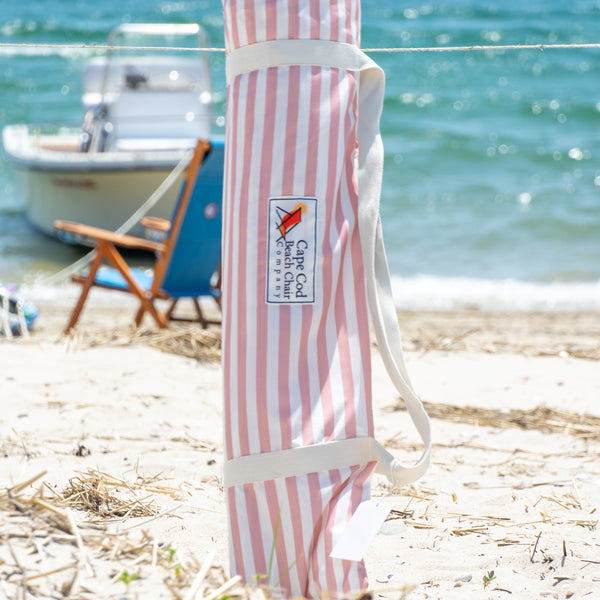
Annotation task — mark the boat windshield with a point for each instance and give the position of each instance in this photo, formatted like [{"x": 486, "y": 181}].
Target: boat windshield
[
  {"x": 153, "y": 83},
  {"x": 159, "y": 61}
]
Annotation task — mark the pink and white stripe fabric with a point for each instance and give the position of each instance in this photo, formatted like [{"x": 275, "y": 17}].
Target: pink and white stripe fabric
[{"x": 296, "y": 340}]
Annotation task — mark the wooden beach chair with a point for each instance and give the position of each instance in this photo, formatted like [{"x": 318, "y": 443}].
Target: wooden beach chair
[{"x": 187, "y": 260}]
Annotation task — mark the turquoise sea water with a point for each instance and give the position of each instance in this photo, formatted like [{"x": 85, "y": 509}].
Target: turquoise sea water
[{"x": 491, "y": 193}]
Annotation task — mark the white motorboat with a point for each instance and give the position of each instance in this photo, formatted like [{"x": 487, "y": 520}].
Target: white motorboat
[{"x": 143, "y": 110}]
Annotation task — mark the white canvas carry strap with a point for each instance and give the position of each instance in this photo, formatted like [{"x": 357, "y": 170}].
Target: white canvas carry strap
[
  {"x": 340, "y": 454},
  {"x": 288, "y": 53},
  {"x": 302, "y": 461}
]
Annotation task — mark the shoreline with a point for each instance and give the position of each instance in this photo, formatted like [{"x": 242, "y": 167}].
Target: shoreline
[{"x": 105, "y": 409}]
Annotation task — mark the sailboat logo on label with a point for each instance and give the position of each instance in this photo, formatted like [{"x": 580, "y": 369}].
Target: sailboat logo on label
[{"x": 288, "y": 220}]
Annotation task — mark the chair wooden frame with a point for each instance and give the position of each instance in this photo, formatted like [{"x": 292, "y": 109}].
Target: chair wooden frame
[{"x": 106, "y": 244}]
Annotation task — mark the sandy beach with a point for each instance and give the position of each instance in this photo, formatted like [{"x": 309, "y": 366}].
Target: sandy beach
[{"x": 111, "y": 457}]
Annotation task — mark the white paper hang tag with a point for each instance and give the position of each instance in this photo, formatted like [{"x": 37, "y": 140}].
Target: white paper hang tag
[{"x": 361, "y": 529}]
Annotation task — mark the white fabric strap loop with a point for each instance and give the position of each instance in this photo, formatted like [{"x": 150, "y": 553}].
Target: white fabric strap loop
[
  {"x": 340, "y": 454},
  {"x": 298, "y": 461},
  {"x": 303, "y": 460},
  {"x": 288, "y": 53}
]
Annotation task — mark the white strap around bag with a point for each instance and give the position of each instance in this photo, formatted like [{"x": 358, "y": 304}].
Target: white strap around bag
[{"x": 340, "y": 454}]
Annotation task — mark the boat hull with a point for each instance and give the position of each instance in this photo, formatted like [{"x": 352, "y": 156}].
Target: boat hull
[
  {"x": 103, "y": 199},
  {"x": 102, "y": 189}
]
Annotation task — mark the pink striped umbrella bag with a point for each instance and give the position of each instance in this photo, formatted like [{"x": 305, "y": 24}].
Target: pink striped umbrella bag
[{"x": 303, "y": 270}]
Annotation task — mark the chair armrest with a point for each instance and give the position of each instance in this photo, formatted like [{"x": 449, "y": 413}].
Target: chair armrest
[
  {"x": 155, "y": 223},
  {"x": 118, "y": 239},
  {"x": 155, "y": 228}
]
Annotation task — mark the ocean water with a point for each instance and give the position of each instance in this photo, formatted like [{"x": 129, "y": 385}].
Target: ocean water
[{"x": 491, "y": 191}]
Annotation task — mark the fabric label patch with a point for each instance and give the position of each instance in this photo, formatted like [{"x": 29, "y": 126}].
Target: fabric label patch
[{"x": 292, "y": 248}]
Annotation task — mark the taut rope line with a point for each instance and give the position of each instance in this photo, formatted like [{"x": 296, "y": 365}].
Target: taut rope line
[{"x": 367, "y": 50}]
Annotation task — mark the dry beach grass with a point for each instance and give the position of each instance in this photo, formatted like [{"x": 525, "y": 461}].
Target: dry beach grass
[{"x": 111, "y": 456}]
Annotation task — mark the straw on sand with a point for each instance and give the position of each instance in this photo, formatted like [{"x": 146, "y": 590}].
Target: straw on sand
[
  {"x": 88, "y": 549},
  {"x": 108, "y": 496},
  {"x": 540, "y": 418},
  {"x": 185, "y": 340}
]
